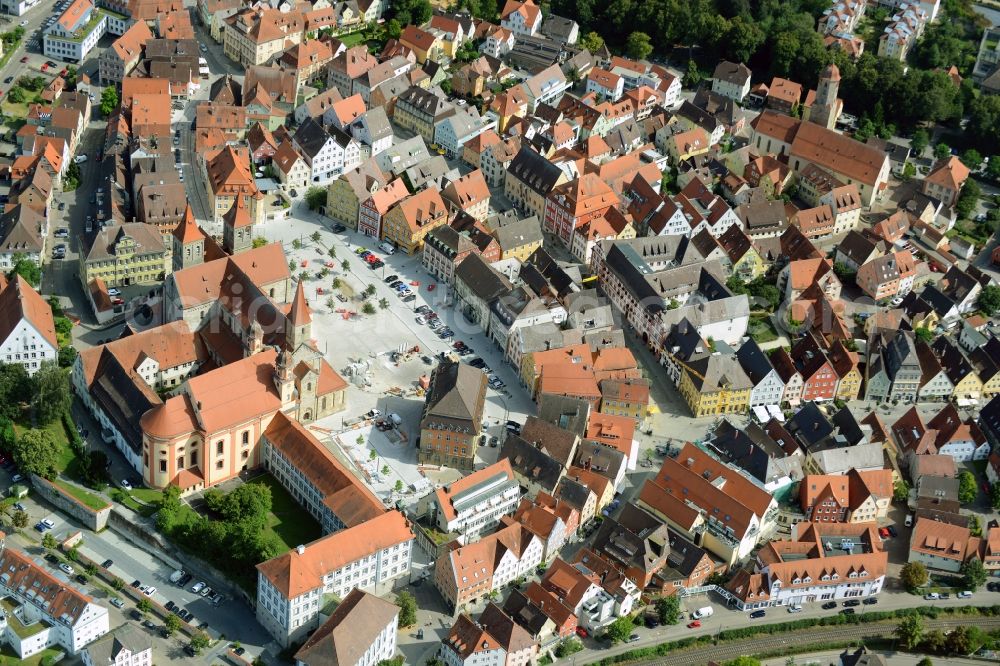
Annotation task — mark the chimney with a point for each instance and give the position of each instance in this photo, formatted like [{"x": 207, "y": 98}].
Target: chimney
[{"x": 300, "y": 549}]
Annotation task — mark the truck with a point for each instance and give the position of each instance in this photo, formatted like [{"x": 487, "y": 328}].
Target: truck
[
  {"x": 176, "y": 576},
  {"x": 702, "y": 613}
]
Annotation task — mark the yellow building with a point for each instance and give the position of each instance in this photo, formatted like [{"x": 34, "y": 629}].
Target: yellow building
[
  {"x": 126, "y": 254},
  {"x": 409, "y": 222},
  {"x": 992, "y": 386},
  {"x": 228, "y": 176},
  {"x": 968, "y": 387},
  {"x": 254, "y": 36},
  {"x": 715, "y": 385},
  {"x": 625, "y": 397},
  {"x": 845, "y": 364},
  {"x": 424, "y": 44}
]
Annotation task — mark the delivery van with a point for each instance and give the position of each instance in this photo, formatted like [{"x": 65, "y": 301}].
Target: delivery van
[{"x": 702, "y": 613}]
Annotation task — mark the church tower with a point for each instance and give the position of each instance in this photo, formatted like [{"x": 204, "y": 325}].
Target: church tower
[
  {"x": 284, "y": 378},
  {"x": 826, "y": 108},
  {"x": 298, "y": 323},
  {"x": 237, "y": 228},
  {"x": 188, "y": 242}
]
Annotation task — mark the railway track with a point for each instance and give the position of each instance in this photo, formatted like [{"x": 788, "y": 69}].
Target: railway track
[{"x": 772, "y": 642}]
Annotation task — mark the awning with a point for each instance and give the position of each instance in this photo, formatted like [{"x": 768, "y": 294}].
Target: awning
[
  {"x": 760, "y": 413},
  {"x": 776, "y": 413}
]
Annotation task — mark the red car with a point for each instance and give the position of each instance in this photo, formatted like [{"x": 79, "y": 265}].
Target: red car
[
  {"x": 371, "y": 258},
  {"x": 24, "y": 59},
  {"x": 694, "y": 625},
  {"x": 45, "y": 66},
  {"x": 581, "y": 632},
  {"x": 63, "y": 72},
  {"x": 883, "y": 532}
]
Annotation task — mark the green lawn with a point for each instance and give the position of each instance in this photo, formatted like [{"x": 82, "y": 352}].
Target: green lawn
[
  {"x": 761, "y": 330},
  {"x": 354, "y": 38},
  {"x": 21, "y": 630},
  {"x": 89, "y": 499},
  {"x": 288, "y": 520},
  {"x": 8, "y": 656}
]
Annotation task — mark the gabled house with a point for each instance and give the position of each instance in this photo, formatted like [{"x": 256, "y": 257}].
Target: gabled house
[{"x": 768, "y": 387}]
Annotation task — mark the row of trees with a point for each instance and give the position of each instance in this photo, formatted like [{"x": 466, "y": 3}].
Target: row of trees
[
  {"x": 961, "y": 640},
  {"x": 914, "y": 575}
]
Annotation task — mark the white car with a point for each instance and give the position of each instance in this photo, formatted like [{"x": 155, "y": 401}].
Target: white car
[
  {"x": 24, "y": 23},
  {"x": 126, "y": 485},
  {"x": 114, "y": 291},
  {"x": 80, "y": 159},
  {"x": 419, "y": 319},
  {"x": 198, "y": 587},
  {"x": 965, "y": 595},
  {"x": 149, "y": 591},
  {"x": 66, "y": 569}
]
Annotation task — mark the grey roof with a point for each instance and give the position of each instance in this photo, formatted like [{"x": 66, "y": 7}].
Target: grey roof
[
  {"x": 754, "y": 361},
  {"x": 635, "y": 539},
  {"x": 401, "y": 156},
  {"x": 763, "y": 215},
  {"x": 464, "y": 121},
  {"x": 809, "y": 426},
  {"x": 856, "y": 247},
  {"x": 431, "y": 171},
  {"x": 519, "y": 233},
  {"x": 840, "y": 460},
  {"x": 683, "y": 341},
  {"x": 850, "y": 428},
  {"x": 377, "y": 122},
  {"x": 731, "y": 72},
  {"x": 560, "y": 443},
  {"x": 432, "y": 102},
  {"x": 600, "y": 458},
  {"x": 702, "y": 314},
  {"x": 147, "y": 238},
  {"x": 352, "y": 628},
  {"x": 564, "y": 411},
  {"x": 311, "y": 137},
  {"x": 526, "y": 614},
  {"x": 127, "y": 637},
  {"x": 718, "y": 371},
  {"x": 573, "y": 492},
  {"x": 558, "y": 27},
  {"x": 535, "y": 171},
  {"x": 21, "y": 230},
  {"x": 481, "y": 278},
  {"x": 455, "y": 398},
  {"x": 532, "y": 463},
  {"x": 502, "y": 627}
]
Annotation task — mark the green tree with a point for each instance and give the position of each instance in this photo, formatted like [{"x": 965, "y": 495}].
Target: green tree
[
  {"x": 15, "y": 389},
  {"x": 49, "y": 542},
  {"x": 395, "y": 661},
  {"x": 385, "y": 469},
  {"x": 171, "y": 623},
  {"x": 26, "y": 268},
  {"x": 315, "y": 198},
  {"x": 393, "y": 29},
  {"x": 924, "y": 334},
  {"x": 592, "y": 41},
  {"x": 913, "y": 575},
  {"x": 967, "y": 490},
  {"x": 968, "y": 198},
  {"x": 109, "y": 100},
  {"x": 568, "y": 646},
  {"x": 993, "y": 167},
  {"x": 383, "y": 303},
  {"x": 619, "y": 630},
  {"x": 910, "y": 630},
  {"x": 199, "y": 642},
  {"x": 669, "y": 609},
  {"x": 995, "y": 496},
  {"x": 144, "y": 605},
  {"x": 971, "y": 158},
  {"x": 743, "y": 661},
  {"x": 368, "y": 308},
  {"x": 973, "y": 574},
  {"x": 743, "y": 38},
  {"x": 900, "y": 491},
  {"x": 67, "y": 356},
  {"x": 52, "y": 392},
  {"x": 117, "y": 583},
  {"x": 407, "y": 608},
  {"x": 398, "y": 487},
  {"x": 638, "y": 45},
  {"x": 736, "y": 285},
  {"x": 17, "y": 95},
  {"x": 964, "y": 639},
  {"x": 369, "y": 291},
  {"x": 933, "y": 641},
  {"x": 19, "y": 520},
  {"x": 941, "y": 151},
  {"x": 315, "y": 237},
  {"x": 259, "y": 241},
  {"x": 345, "y": 265},
  {"x": 926, "y": 661},
  {"x": 919, "y": 142},
  {"x": 989, "y": 300},
  {"x": 975, "y": 526},
  {"x": 36, "y": 452}
]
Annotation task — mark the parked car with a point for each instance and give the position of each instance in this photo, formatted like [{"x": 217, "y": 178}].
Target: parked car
[
  {"x": 757, "y": 614},
  {"x": 581, "y": 632},
  {"x": 206, "y": 592},
  {"x": 185, "y": 579},
  {"x": 830, "y": 605},
  {"x": 393, "y": 279},
  {"x": 149, "y": 591},
  {"x": 694, "y": 624},
  {"x": 850, "y": 603},
  {"x": 66, "y": 569},
  {"x": 171, "y": 606},
  {"x": 632, "y": 639},
  {"x": 966, "y": 594},
  {"x": 49, "y": 557},
  {"x": 848, "y": 611},
  {"x": 125, "y": 482},
  {"x": 892, "y": 531},
  {"x": 81, "y": 579},
  {"x": 136, "y": 584},
  {"x": 932, "y": 596},
  {"x": 200, "y": 585},
  {"x": 107, "y": 563},
  {"x": 870, "y": 601},
  {"x": 339, "y": 228},
  {"x": 117, "y": 603}
]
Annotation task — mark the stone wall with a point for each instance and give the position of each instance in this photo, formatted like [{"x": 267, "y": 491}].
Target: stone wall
[{"x": 95, "y": 520}]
